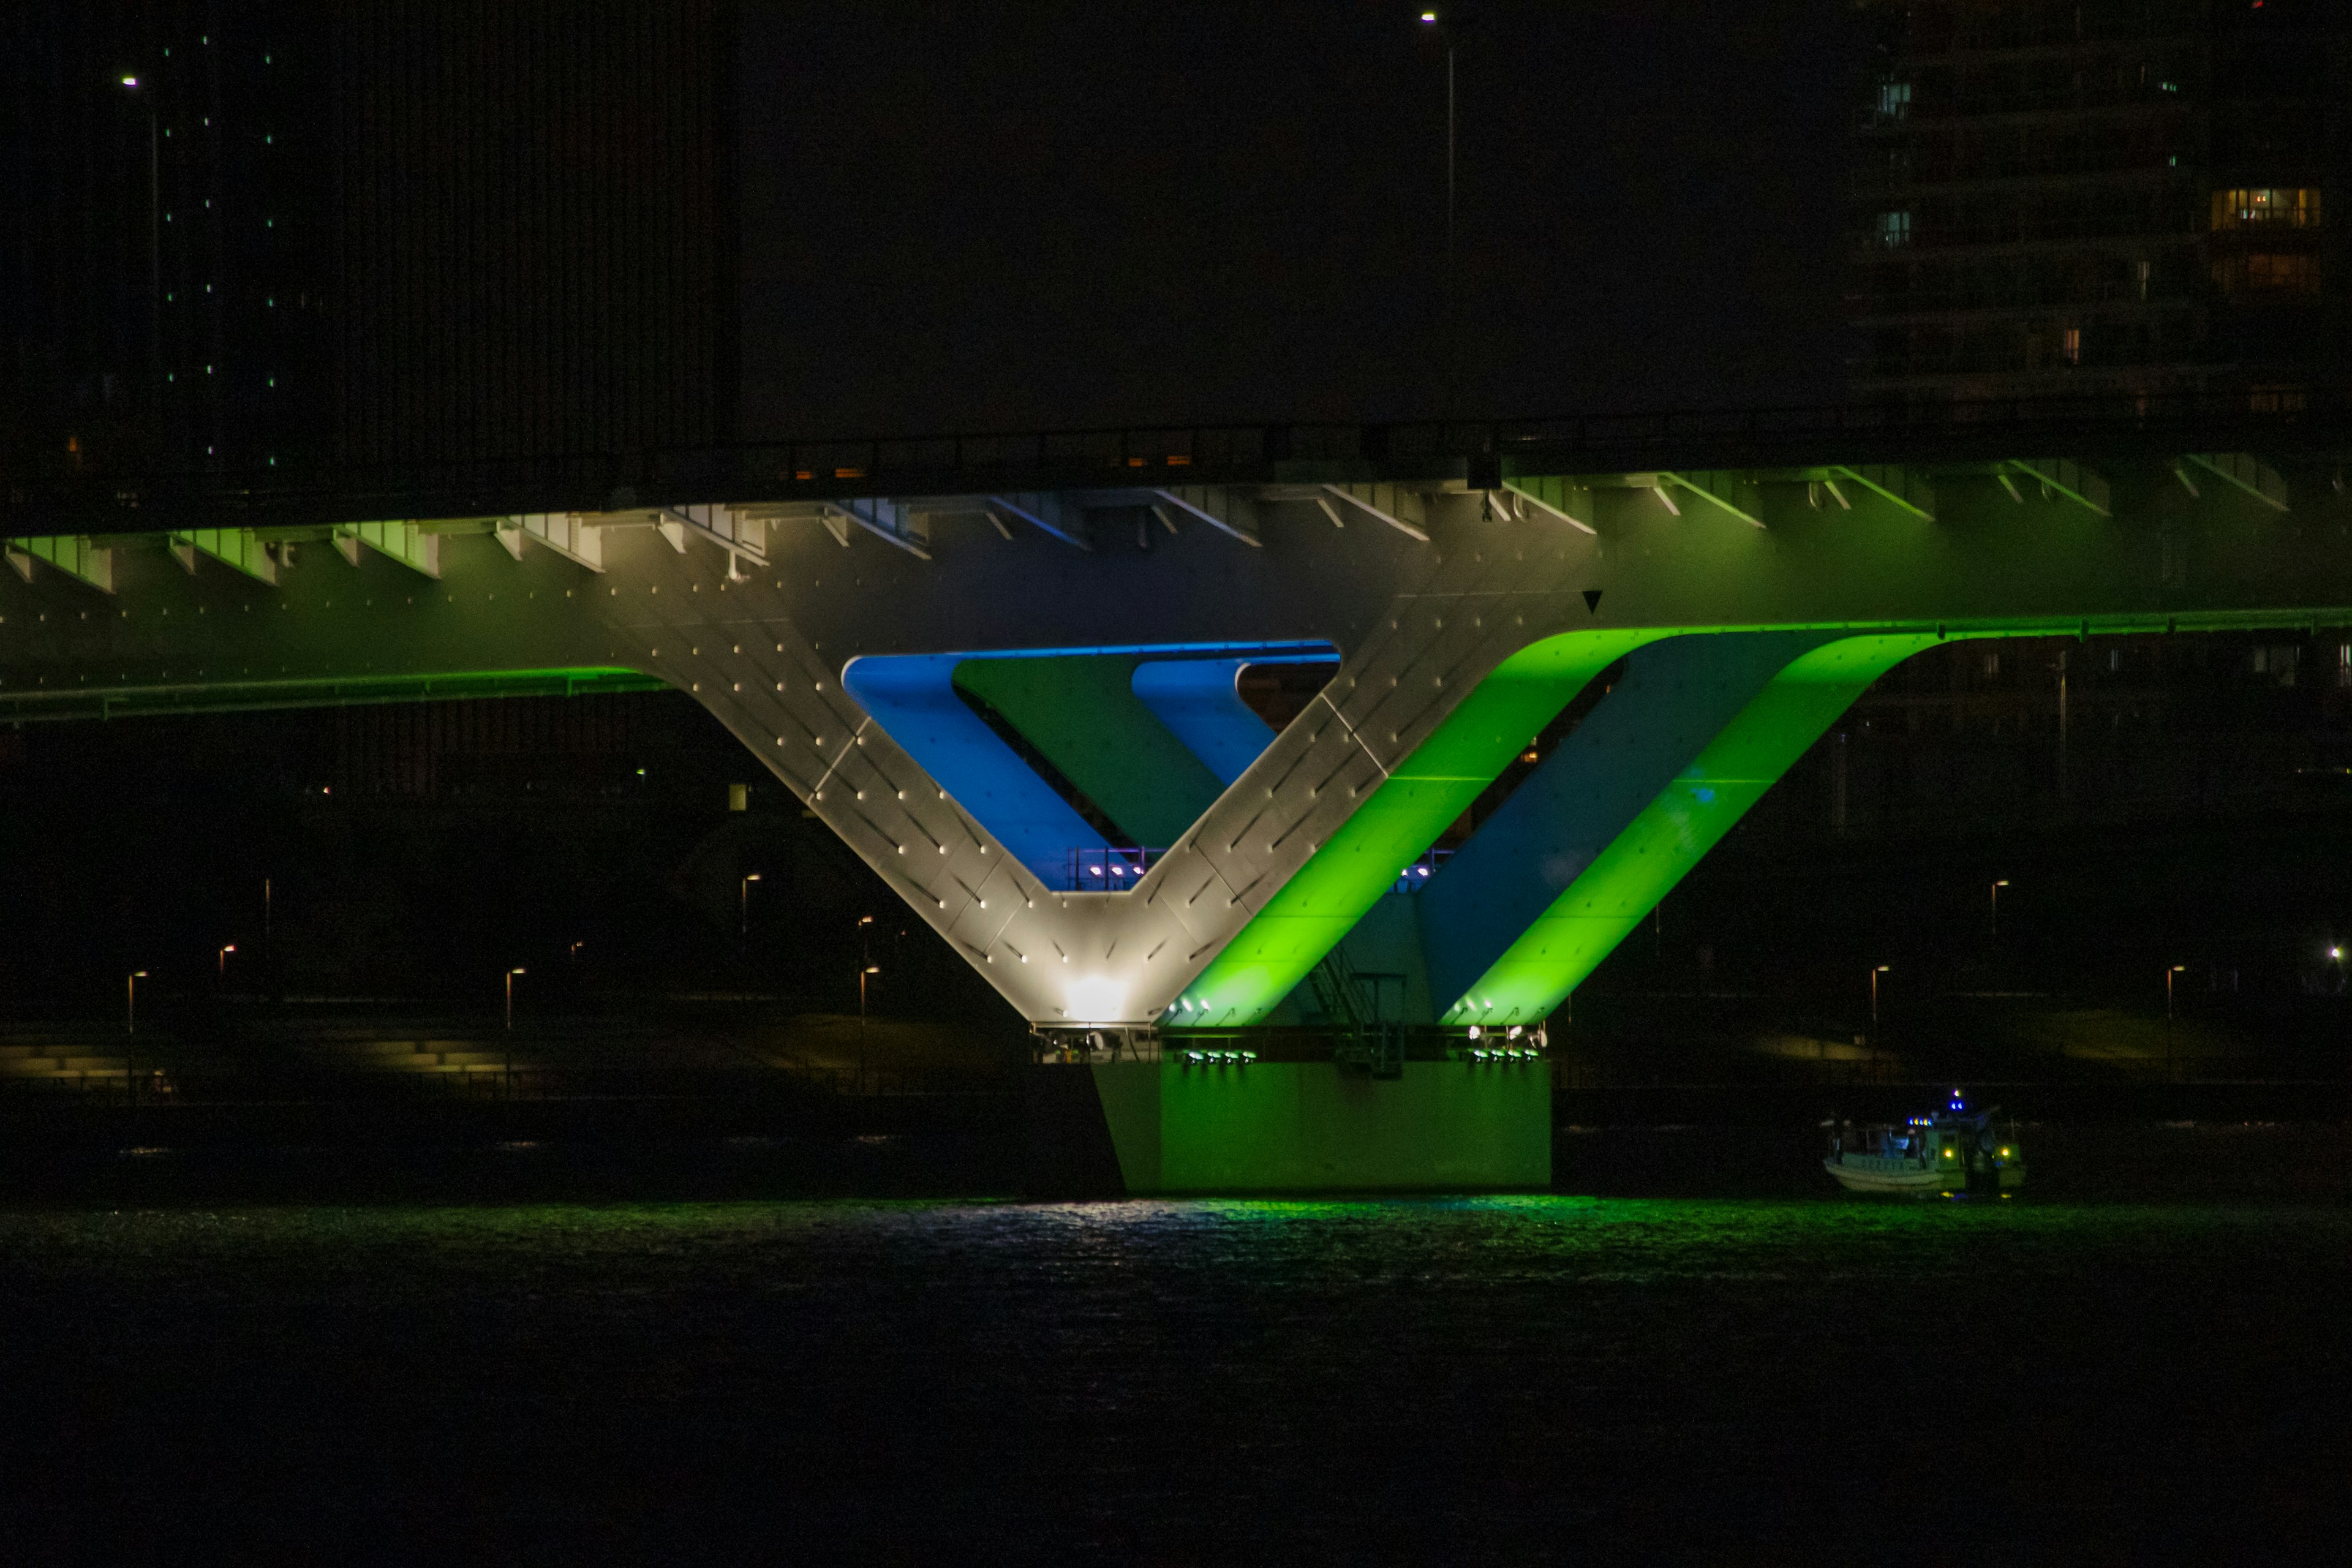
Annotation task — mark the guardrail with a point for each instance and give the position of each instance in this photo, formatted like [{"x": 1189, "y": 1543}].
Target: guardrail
[{"x": 45, "y": 497}]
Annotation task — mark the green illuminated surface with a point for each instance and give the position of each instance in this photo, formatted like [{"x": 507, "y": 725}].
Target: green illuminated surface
[
  {"x": 1688, "y": 818},
  {"x": 1398, "y": 822},
  {"x": 1273, "y": 1127},
  {"x": 1082, "y": 713},
  {"x": 235, "y": 547},
  {"x": 241, "y": 697}
]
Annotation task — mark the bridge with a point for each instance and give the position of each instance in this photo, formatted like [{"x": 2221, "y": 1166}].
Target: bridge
[{"x": 1008, "y": 672}]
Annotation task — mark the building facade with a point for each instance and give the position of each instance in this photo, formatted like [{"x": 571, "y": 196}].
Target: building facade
[
  {"x": 2112, "y": 197},
  {"x": 259, "y": 237}
]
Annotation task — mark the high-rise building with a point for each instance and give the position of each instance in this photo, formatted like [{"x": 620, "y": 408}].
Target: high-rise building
[
  {"x": 248, "y": 235},
  {"x": 2113, "y": 197}
]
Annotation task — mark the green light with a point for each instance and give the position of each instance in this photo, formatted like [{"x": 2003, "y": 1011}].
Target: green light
[
  {"x": 1689, "y": 817},
  {"x": 1082, "y": 713},
  {"x": 1398, "y": 823}
]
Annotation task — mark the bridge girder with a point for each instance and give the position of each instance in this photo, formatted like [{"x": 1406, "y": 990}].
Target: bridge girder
[{"x": 1456, "y": 646}]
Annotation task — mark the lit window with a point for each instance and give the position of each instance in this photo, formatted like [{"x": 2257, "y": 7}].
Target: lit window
[
  {"x": 2070, "y": 346},
  {"x": 2291, "y": 206},
  {"x": 1894, "y": 229},
  {"x": 1894, "y": 100}
]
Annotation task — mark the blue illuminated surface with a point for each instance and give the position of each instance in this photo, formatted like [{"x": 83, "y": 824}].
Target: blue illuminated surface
[
  {"x": 913, "y": 698},
  {"x": 1196, "y": 698}
]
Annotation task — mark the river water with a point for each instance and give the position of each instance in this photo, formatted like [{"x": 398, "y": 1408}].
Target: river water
[{"x": 841, "y": 1379}]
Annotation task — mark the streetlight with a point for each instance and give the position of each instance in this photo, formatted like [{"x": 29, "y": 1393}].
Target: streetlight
[
  {"x": 223, "y": 957},
  {"x": 2170, "y": 970},
  {"x": 743, "y": 905},
  {"x": 862, "y": 973},
  {"x": 1875, "y": 973},
  {"x": 154, "y": 235},
  {"x": 1997, "y": 887},
  {"x": 511, "y": 980},
  {"x": 131, "y": 1001},
  {"x": 1451, "y": 25}
]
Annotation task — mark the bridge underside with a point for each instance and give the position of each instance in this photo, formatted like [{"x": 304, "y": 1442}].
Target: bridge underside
[{"x": 1026, "y": 712}]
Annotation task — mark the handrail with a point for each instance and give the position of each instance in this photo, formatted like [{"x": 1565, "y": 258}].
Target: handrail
[{"x": 42, "y": 497}]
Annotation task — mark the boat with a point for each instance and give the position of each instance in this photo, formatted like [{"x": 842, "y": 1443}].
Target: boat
[{"x": 1954, "y": 1151}]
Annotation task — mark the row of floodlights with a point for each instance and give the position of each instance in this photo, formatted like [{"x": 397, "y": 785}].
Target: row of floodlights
[
  {"x": 1506, "y": 1054},
  {"x": 1235, "y": 1058}
]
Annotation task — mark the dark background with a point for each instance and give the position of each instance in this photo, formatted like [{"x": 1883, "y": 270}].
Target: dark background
[{"x": 971, "y": 217}]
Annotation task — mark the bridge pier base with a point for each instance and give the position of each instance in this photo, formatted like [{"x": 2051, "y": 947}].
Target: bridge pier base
[{"x": 1172, "y": 1127}]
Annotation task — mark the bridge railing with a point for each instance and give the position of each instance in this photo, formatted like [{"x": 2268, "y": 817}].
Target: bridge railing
[
  {"x": 1117, "y": 869},
  {"x": 48, "y": 492}
]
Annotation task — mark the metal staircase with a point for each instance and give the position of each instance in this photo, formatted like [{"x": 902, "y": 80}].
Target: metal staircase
[{"x": 1368, "y": 1042}]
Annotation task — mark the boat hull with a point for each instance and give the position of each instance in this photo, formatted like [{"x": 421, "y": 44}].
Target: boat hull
[{"x": 1917, "y": 1182}]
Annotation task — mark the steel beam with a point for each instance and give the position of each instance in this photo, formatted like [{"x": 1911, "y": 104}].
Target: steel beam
[
  {"x": 233, "y": 547},
  {"x": 889, "y": 519},
  {"x": 2065, "y": 477},
  {"x": 1563, "y": 500},
  {"x": 1196, "y": 700},
  {"x": 1728, "y": 489},
  {"x": 1081, "y": 713},
  {"x": 413, "y": 546},
  {"x": 1611, "y": 894},
  {"x": 1676, "y": 696},
  {"x": 1907, "y": 489},
  {"x": 1226, "y": 510},
  {"x": 2245, "y": 473},
  {"x": 77, "y": 556},
  {"x": 914, "y": 702},
  {"x": 1047, "y": 512},
  {"x": 1400, "y": 507},
  {"x": 568, "y": 534},
  {"x": 1399, "y": 817}
]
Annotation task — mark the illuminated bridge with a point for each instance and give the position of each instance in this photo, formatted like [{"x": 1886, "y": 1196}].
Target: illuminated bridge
[{"x": 1004, "y": 671}]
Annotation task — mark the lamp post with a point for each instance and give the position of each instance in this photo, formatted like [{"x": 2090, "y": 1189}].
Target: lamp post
[
  {"x": 131, "y": 1001},
  {"x": 1451, "y": 25},
  {"x": 2169, "y": 971},
  {"x": 222, "y": 958},
  {"x": 1451, "y": 22},
  {"x": 1997, "y": 887},
  {"x": 507, "y": 1051},
  {"x": 863, "y": 972},
  {"x": 154, "y": 237},
  {"x": 1876, "y": 972},
  {"x": 743, "y": 904}
]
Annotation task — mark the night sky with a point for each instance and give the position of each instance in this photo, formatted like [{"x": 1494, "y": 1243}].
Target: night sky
[{"x": 982, "y": 216}]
